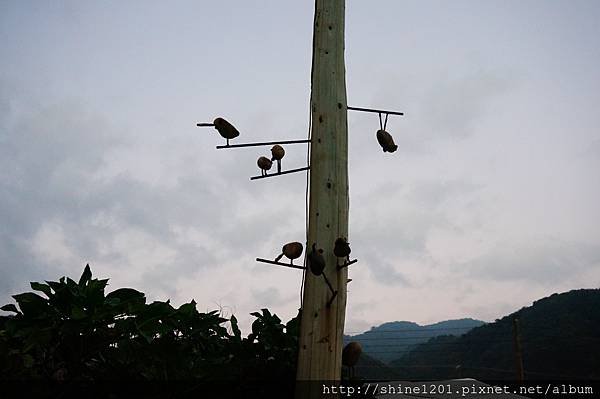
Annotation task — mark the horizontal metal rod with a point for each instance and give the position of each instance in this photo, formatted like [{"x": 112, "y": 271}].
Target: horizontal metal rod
[
  {"x": 205, "y": 124},
  {"x": 347, "y": 264},
  {"x": 281, "y": 173},
  {"x": 272, "y": 262},
  {"x": 377, "y": 111},
  {"x": 219, "y": 147}
]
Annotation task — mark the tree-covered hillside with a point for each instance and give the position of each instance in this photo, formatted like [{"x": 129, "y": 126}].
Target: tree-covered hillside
[
  {"x": 560, "y": 339},
  {"x": 392, "y": 340}
]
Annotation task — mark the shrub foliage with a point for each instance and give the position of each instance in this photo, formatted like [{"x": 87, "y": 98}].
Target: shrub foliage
[{"x": 73, "y": 331}]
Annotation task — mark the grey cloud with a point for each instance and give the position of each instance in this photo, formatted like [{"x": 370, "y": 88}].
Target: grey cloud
[
  {"x": 544, "y": 261},
  {"x": 385, "y": 273},
  {"x": 591, "y": 151},
  {"x": 452, "y": 106},
  {"x": 53, "y": 157},
  {"x": 402, "y": 226},
  {"x": 58, "y": 157},
  {"x": 272, "y": 295}
]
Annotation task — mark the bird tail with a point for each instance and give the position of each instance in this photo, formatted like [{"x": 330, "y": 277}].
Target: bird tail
[
  {"x": 279, "y": 257},
  {"x": 391, "y": 148}
]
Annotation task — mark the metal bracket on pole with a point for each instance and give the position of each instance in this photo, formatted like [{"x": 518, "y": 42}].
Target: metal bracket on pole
[
  {"x": 219, "y": 147},
  {"x": 347, "y": 263},
  {"x": 377, "y": 111},
  {"x": 281, "y": 173},
  {"x": 272, "y": 262}
]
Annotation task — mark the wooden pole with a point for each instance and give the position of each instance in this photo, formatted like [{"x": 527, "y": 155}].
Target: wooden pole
[
  {"x": 321, "y": 328},
  {"x": 518, "y": 350}
]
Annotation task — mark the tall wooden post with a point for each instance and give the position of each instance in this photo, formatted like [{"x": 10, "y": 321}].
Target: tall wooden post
[{"x": 321, "y": 326}]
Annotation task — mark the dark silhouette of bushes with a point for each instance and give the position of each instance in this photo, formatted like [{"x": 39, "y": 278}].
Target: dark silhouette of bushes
[{"x": 74, "y": 333}]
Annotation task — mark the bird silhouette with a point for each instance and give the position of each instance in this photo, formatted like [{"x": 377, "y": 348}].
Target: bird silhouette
[
  {"x": 277, "y": 153},
  {"x": 341, "y": 248},
  {"x": 225, "y": 129},
  {"x": 350, "y": 355},
  {"x": 291, "y": 250},
  {"x": 316, "y": 261},
  {"x": 386, "y": 141},
  {"x": 264, "y": 164}
]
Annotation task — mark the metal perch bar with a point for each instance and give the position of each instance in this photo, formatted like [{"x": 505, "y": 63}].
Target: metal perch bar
[
  {"x": 219, "y": 147},
  {"x": 281, "y": 173},
  {"x": 330, "y": 301},
  {"x": 272, "y": 262},
  {"x": 346, "y": 264},
  {"x": 332, "y": 291},
  {"x": 377, "y": 111},
  {"x": 329, "y": 284}
]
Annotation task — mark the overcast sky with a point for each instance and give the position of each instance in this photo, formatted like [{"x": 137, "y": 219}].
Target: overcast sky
[{"x": 491, "y": 201}]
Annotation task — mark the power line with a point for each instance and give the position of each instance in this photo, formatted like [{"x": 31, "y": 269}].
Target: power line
[
  {"x": 411, "y": 330},
  {"x": 436, "y": 343},
  {"x": 532, "y": 338},
  {"x": 409, "y": 337}
]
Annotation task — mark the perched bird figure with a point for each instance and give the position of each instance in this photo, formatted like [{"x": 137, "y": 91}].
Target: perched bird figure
[
  {"x": 277, "y": 153},
  {"x": 291, "y": 250},
  {"x": 316, "y": 261},
  {"x": 316, "y": 264},
  {"x": 341, "y": 248},
  {"x": 350, "y": 355},
  {"x": 225, "y": 129},
  {"x": 264, "y": 164},
  {"x": 386, "y": 141}
]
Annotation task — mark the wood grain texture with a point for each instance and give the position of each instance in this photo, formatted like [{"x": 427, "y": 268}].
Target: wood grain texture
[{"x": 321, "y": 326}]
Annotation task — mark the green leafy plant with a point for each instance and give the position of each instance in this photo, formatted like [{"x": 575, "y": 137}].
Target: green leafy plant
[{"x": 73, "y": 331}]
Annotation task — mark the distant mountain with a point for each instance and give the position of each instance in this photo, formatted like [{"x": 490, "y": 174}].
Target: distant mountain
[
  {"x": 392, "y": 340},
  {"x": 560, "y": 339}
]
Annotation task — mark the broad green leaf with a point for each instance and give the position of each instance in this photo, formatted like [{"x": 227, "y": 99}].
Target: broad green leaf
[
  {"x": 102, "y": 282},
  {"x": 10, "y": 308},
  {"x": 127, "y": 294},
  {"x": 55, "y": 285},
  {"x": 45, "y": 288},
  {"x": 158, "y": 309},
  {"x": 85, "y": 276},
  {"x": 188, "y": 309},
  {"x": 77, "y": 313},
  {"x": 31, "y": 304},
  {"x": 235, "y": 327},
  {"x": 71, "y": 283},
  {"x": 112, "y": 301}
]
